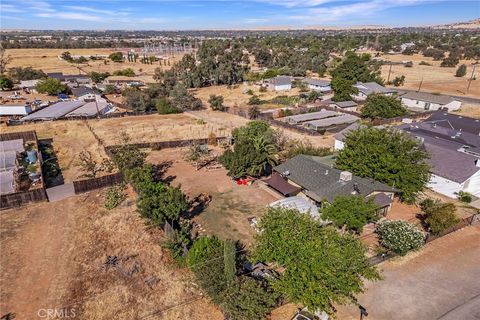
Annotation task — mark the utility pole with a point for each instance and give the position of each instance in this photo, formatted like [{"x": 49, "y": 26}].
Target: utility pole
[
  {"x": 471, "y": 77},
  {"x": 389, "y": 71},
  {"x": 420, "y": 85}
]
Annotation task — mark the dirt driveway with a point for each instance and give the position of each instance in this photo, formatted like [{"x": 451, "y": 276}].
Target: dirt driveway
[{"x": 440, "y": 282}]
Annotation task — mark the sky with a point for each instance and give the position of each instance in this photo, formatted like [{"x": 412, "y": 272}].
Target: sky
[{"x": 229, "y": 14}]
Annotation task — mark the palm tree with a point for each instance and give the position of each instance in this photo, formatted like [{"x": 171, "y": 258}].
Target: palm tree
[{"x": 265, "y": 156}]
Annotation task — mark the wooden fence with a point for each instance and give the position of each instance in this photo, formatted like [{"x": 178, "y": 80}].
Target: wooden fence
[
  {"x": 25, "y": 135},
  {"x": 86, "y": 185},
  {"x": 18, "y": 199}
]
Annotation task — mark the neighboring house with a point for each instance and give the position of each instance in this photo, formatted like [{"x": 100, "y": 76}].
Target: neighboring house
[
  {"x": 56, "y": 75},
  {"x": 77, "y": 78},
  {"x": 340, "y": 136},
  {"x": 345, "y": 105},
  {"x": 428, "y": 101},
  {"x": 15, "y": 110},
  {"x": 29, "y": 84},
  {"x": 279, "y": 83},
  {"x": 454, "y": 157},
  {"x": 454, "y": 121},
  {"x": 83, "y": 93},
  {"x": 367, "y": 88},
  {"x": 318, "y": 182},
  {"x": 123, "y": 80},
  {"x": 318, "y": 85}
]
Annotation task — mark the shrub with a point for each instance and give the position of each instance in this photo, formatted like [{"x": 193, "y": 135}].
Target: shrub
[
  {"x": 439, "y": 216},
  {"x": 409, "y": 64},
  {"x": 253, "y": 112},
  {"x": 399, "y": 81},
  {"x": 5, "y": 82},
  {"x": 461, "y": 71},
  {"x": 400, "y": 236},
  {"x": 164, "y": 106},
  {"x": 464, "y": 197},
  {"x": 216, "y": 102},
  {"x": 51, "y": 86},
  {"x": 424, "y": 63},
  {"x": 116, "y": 57},
  {"x": 254, "y": 100},
  {"x": 449, "y": 62},
  {"x": 128, "y": 72},
  {"x": 114, "y": 196}
]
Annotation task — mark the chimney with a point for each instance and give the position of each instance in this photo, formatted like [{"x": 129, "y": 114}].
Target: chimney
[{"x": 345, "y": 176}]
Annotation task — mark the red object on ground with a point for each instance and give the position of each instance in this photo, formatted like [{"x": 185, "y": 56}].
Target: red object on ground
[
  {"x": 245, "y": 182},
  {"x": 239, "y": 182}
]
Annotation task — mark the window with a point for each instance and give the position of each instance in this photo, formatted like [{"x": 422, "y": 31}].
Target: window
[{"x": 427, "y": 105}]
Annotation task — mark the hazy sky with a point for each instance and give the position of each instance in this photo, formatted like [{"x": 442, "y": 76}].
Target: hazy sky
[{"x": 226, "y": 14}]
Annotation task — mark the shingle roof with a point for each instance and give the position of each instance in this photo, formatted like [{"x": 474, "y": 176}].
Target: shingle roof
[
  {"x": 354, "y": 126},
  {"x": 277, "y": 182},
  {"x": 425, "y": 96},
  {"x": 321, "y": 181},
  {"x": 455, "y": 121},
  {"x": 56, "y": 75},
  {"x": 381, "y": 199},
  {"x": 81, "y": 91}
]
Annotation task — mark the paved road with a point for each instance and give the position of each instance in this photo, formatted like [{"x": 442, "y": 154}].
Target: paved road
[
  {"x": 461, "y": 98},
  {"x": 442, "y": 282}
]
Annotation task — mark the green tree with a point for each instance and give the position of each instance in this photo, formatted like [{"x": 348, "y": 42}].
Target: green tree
[
  {"x": 400, "y": 236},
  {"x": 205, "y": 259},
  {"x": 128, "y": 156},
  {"x": 51, "y": 86},
  {"x": 399, "y": 81},
  {"x": 27, "y": 73},
  {"x": 450, "y": 61},
  {"x": 182, "y": 99},
  {"x": 386, "y": 155},
  {"x": 216, "y": 102},
  {"x": 343, "y": 89},
  {"x": 5, "y": 82},
  {"x": 127, "y": 72},
  {"x": 67, "y": 56},
  {"x": 98, "y": 77},
  {"x": 461, "y": 71},
  {"x": 352, "y": 212},
  {"x": 160, "y": 203},
  {"x": 116, "y": 57},
  {"x": 322, "y": 266},
  {"x": 253, "y": 112},
  {"x": 248, "y": 299},
  {"x": 439, "y": 216},
  {"x": 382, "y": 106},
  {"x": 293, "y": 148},
  {"x": 164, "y": 106}
]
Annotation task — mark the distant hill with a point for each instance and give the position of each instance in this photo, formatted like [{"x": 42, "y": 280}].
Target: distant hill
[{"x": 472, "y": 24}]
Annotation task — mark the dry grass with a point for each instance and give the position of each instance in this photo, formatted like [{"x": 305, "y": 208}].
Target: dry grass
[
  {"x": 56, "y": 253},
  {"x": 237, "y": 96},
  {"x": 435, "y": 78},
  {"x": 469, "y": 110},
  {"x": 48, "y": 61}
]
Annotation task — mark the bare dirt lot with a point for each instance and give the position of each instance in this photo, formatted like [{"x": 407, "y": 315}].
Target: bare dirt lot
[
  {"x": 442, "y": 281},
  {"x": 435, "y": 78},
  {"x": 226, "y": 215},
  {"x": 53, "y": 256},
  {"x": 48, "y": 61}
]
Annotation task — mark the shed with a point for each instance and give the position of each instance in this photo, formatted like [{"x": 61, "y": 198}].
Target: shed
[
  {"x": 309, "y": 116},
  {"x": 8, "y": 160},
  {"x": 332, "y": 121},
  {"x": 90, "y": 109},
  {"x": 12, "y": 145},
  {"x": 55, "y": 111},
  {"x": 7, "y": 182},
  {"x": 15, "y": 110}
]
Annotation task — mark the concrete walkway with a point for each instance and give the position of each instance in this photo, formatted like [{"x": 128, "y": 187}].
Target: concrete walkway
[
  {"x": 60, "y": 192},
  {"x": 440, "y": 282}
]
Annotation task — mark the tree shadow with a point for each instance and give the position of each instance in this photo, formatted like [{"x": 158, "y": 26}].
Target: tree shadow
[
  {"x": 51, "y": 171},
  {"x": 198, "y": 205},
  {"x": 160, "y": 171}
]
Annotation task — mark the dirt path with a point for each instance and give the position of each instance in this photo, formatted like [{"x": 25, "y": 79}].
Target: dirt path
[{"x": 440, "y": 282}]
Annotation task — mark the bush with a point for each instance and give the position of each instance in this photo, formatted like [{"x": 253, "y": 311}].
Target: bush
[
  {"x": 116, "y": 57},
  {"x": 216, "y": 103},
  {"x": 400, "y": 236},
  {"x": 424, "y": 63},
  {"x": 461, "y": 71},
  {"x": 381, "y": 106},
  {"x": 51, "y": 86},
  {"x": 439, "y": 216},
  {"x": 5, "y": 82},
  {"x": 409, "y": 64},
  {"x": 28, "y": 73},
  {"x": 128, "y": 72},
  {"x": 254, "y": 100},
  {"x": 253, "y": 112},
  {"x": 399, "y": 81},
  {"x": 164, "y": 106},
  {"x": 464, "y": 197},
  {"x": 114, "y": 196},
  {"x": 293, "y": 148},
  {"x": 449, "y": 62}
]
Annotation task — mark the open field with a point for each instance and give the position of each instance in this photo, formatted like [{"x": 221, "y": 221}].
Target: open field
[
  {"x": 237, "y": 96},
  {"x": 48, "y": 61},
  {"x": 231, "y": 205},
  {"x": 469, "y": 110},
  {"x": 53, "y": 257},
  {"x": 435, "y": 78}
]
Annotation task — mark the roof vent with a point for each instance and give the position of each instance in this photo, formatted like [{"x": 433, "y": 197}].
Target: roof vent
[
  {"x": 345, "y": 176},
  {"x": 286, "y": 173}
]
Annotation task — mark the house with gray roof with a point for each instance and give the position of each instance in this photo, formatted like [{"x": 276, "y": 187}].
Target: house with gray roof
[
  {"x": 419, "y": 101},
  {"x": 279, "y": 83},
  {"x": 318, "y": 84},
  {"x": 367, "y": 88},
  {"x": 319, "y": 182},
  {"x": 454, "y": 157}
]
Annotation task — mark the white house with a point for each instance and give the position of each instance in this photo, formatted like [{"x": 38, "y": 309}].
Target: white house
[
  {"x": 279, "y": 83},
  {"x": 318, "y": 85},
  {"x": 454, "y": 157},
  {"x": 428, "y": 101},
  {"x": 367, "y": 88},
  {"x": 15, "y": 110}
]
